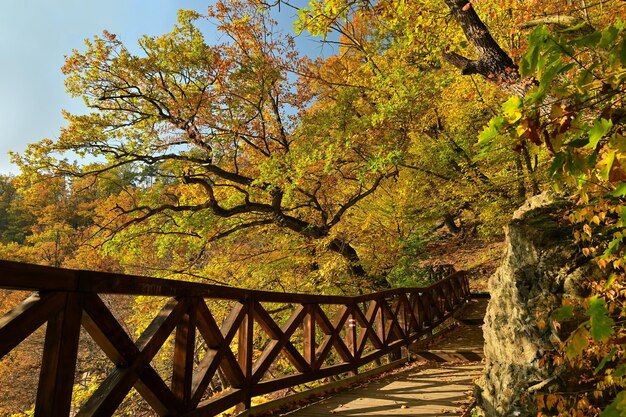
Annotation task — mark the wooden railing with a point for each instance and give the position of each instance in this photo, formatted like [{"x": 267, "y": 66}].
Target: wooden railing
[{"x": 360, "y": 330}]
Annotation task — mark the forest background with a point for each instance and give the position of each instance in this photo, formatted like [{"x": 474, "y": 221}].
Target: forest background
[{"x": 244, "y": 163}]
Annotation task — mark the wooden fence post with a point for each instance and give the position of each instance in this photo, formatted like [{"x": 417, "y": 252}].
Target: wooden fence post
[
  {"x": 351, "y": 334},
  {"x": 184, "y": 350},
  {"x": 245, "y": 350},
  {"x": 56, "y": 380},
  {"x": 404, "y": 322},
  {"x": 308, "y": 327}
]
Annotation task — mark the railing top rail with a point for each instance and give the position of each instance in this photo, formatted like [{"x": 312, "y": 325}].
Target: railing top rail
[{"x": 30, "y": 277}]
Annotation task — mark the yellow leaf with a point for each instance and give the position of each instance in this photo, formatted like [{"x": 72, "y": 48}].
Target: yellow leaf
[
  {"x": 541, "y": 324},
  {"x": 551, "y": 400},
  {"x": 577, "y": 342}
]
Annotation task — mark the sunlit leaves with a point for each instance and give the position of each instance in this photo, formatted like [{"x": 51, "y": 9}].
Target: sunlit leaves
[
  {"x": 319, "y": 17},
  {"x": 599, "y": 129},
  {"x": 617, "y": 408},
  {"x": 512, "y": 109},
  {"x": 490, "y": 132},
  {"x": 566, "y": 312},
  {"x": 577, "y": 342},
  {"x": 600, "y": 324}
]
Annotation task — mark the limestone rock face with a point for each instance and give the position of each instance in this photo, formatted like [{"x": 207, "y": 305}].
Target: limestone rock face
[{"x": 540, "y": 267}]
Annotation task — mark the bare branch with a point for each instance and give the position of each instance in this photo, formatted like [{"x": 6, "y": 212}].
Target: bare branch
[
  {"x": 467, "y": 66},
  {"x": 239, "y": 227},
  {"x": 561, "y": 21},
  {"x": 360, "y": 196}
]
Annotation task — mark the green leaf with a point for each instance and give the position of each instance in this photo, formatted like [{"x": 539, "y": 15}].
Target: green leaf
[
  {"x": 545, "y": 81},
  {"x": 612, "y": 247},
  {"x": 600, "y": 128},
  {"x": 600, "y": 324},
  {"x": 577, "y": 342},
  {"x": 512, "y": 109},
  {"x": 536, "y": 41},
  {"x": 617, "y": 408},
  {"x": 608, "y": 164},
  {"x": 620, "y": 371},
  {"x": 577, "y": 143},
  {"x": 557, "y": 164},
  {"x": 609, "y": 35},
  {"x": 604, "y": 361},
  {"x": 610, "y": 281},
  {"x": 564, "y": 313},
  {"x": 490, "y": 132},
  {"x": 584, "y": 78},
  {"x": 551, "y": 71},
  {"x": 588, "y": 41},
  {"x": 620, "y": 191}
]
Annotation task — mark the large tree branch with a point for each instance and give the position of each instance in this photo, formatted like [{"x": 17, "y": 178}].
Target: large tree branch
[
  {"x": 561, "y": 21},
  {"x": 149, "y": 212},
  {"x": 213, "y": 204},
  {"x": 125, "y": 157},
  {"x": 239, "y": 227},
  {"x": 492, "y": 58},
  {"x": 493, "y": 63},
  {"x": 355, "y": 199},
  {"x": 314, "y": 202},
  {"x": 466, "y": 65}
]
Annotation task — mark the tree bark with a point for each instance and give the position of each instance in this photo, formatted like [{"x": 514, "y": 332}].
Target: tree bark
[
  {"x": 521, "y": 187},
  {"x": 493, "y": 63},
  {"x": 448, "y": 220},
  {"x": 529, "y": 168},
  {"x": 355, "y": 266}
]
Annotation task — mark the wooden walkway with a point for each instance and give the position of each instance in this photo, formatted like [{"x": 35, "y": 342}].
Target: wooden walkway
[{"x": 427, "y": 389}]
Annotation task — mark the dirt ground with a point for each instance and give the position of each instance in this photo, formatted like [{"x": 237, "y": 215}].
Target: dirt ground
[{"x": 479, "y": 258}]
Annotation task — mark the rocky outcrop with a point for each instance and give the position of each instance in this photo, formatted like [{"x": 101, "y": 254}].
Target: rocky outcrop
[{"x": 540, "y": 267}]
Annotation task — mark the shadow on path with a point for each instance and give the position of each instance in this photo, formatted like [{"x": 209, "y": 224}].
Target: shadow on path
[{"x": 437, "y": 391}]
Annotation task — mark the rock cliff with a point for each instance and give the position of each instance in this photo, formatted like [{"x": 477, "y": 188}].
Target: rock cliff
[{"x": 540, "y": 267}]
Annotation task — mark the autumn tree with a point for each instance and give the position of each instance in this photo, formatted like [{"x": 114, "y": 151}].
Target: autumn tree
[
  {"x": 565, "y": 82},
  {"x": 226, "y": 132},
  {"x": 407, "y": 45},
  {"x": 14, "y": 220}
]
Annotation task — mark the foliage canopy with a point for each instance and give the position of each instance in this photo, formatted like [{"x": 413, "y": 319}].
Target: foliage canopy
[{"x": 243, "y": 162}]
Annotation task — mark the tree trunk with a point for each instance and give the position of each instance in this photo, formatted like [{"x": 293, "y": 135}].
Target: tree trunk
[
  {"x": 355, "y": 267},
  {"x": 521, "y": 187},
  {"x": 529, "y": 168},
  {"x": 448, "y": 220},
  {"x": 344, "y": 249},
  {"x": 493, "y": 63}
]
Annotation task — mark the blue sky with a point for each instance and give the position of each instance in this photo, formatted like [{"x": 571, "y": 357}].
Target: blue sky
[{"x": 35, "y": 35}]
